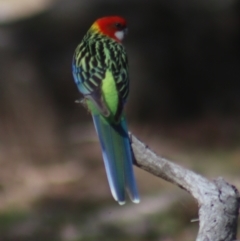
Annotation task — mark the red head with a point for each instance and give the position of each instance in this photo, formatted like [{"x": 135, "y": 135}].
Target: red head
[{"x": 113, "y": 26}]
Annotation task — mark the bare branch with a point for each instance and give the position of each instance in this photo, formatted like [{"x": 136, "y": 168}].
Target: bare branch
[{"x": 218, "y": 201}]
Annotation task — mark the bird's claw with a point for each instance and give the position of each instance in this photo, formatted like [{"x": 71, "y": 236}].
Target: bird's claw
[{"x": 82, "y": 102}]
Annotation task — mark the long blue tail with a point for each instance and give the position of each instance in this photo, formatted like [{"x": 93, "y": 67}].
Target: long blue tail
[{"x": 117, "y": 156}]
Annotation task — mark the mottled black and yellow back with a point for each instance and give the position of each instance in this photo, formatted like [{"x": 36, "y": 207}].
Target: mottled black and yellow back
[{"x": 100, "y": 69}]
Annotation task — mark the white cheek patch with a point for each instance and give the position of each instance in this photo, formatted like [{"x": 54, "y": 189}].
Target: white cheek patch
[{"x": 119, "y": 35}]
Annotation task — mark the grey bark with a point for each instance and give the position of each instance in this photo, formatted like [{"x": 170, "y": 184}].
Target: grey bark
[{"x": 218, "y": 201}]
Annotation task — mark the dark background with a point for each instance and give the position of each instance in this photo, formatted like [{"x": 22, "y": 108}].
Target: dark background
[{"x": 184, "y": 102}]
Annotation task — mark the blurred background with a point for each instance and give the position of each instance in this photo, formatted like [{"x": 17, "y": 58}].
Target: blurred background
[{"x": 184, "y": 103}]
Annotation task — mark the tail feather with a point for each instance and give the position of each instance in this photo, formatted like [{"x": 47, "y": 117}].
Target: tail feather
[
  {"x": 130, "y": 182},
  {"x": 117, "y": 156}
]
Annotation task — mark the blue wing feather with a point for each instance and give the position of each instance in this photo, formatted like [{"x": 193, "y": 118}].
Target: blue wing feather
[{"x": 78, "y": 80}]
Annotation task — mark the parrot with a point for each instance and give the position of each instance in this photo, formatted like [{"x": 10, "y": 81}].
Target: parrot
[{"x": 100, "y": 71}]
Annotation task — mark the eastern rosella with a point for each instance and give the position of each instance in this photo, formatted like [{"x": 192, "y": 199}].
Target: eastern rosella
[{"x": 100, "y": 70}]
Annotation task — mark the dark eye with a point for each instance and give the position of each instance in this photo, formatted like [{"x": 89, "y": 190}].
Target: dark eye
[{"x": 118, "y": 25}]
